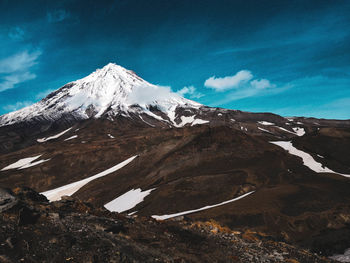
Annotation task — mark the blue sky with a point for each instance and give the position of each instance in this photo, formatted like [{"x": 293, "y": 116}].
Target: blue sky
[{"x": 287, "y": 57}]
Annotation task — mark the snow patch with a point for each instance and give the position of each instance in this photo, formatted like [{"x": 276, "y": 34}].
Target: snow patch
[
  {"x": 146, "y": 122},
  {"x": 307, "y": 158},
  {"x": 198, "y": 122},
  {"x": 283, "y": 129},
  {"x": 69, "y": 189},
  {"x": 186, "y": 120},
  {"x": 154, "y": 115},
  {"x": 263, "y": 130},
  {"x": 128, "y": 200},
  {"x": 299, "y": 131},
  {"x": 110, "y": 136},
  {"x": 33, "y": 164},
  {"x": 164, "y": 217},
  {"x": 71, "y": 138},
  {"x": 24, "y": 163},
  {"x": 21, "y": 163},
  {"x": 53, "y": 137},
  {"x": 265, "y": 123}
]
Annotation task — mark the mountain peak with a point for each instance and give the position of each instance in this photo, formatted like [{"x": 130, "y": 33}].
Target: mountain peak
[
  {"x": 110, "y": 90},
  {"x": 111, "y": 71},
  {"x": 112, "y": 65},
  {"x": 114, "y": 69},
  {"x": 106, "y": 87}
]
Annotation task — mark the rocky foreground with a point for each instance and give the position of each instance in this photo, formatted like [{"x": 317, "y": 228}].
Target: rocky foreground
[{"x": 35, "y": 230}]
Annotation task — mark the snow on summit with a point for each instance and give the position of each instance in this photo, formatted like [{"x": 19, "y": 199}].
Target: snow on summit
[{"x": 109, "y": 90}]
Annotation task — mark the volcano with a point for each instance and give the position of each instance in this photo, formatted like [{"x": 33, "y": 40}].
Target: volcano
[{"x": 123, "y": 144}]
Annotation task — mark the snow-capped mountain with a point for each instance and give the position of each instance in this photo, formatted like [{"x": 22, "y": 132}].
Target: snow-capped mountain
[
  {"x": 110, "y": 91},
  {"x": 112, "y": 139}
]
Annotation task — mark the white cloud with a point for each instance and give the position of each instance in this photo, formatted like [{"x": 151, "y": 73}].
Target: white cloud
[
  {"x": 18, "y": 105},
  {"x": 19, "y": 61},
  {"x": 262, "y": 84},
  {"x": 16, "y": 69},
  {"x": 145, "y": 95},
  {"x": 229, "y": 82},
  {"x": 57, "y": 16},
  {"x": 191, "y": 91},
  {"x": 242, "y": 85},
  {"x": 11, "y": 80}
]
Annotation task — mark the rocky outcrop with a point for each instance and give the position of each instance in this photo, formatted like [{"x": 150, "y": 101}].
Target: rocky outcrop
[{"x": 7, "y": 200}]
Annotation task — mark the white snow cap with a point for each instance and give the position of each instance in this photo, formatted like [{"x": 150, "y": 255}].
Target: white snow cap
[{"x": 111, "y": 89}]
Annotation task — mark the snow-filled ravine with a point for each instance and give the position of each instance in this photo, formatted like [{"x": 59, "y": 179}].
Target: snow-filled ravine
[
  {"x": 261, "y": 129},
  {"x": 69, "y": 189},
  {"x": 71, "y": 138},
  {"x": 164, "y": 217},
  {"x": 53, "y": 137},
  {"x": 266, "y": 123},
  {"x": 198, "y": 122},
  {"x": 25, "y": 163},
  {"x": 308, "y": 160},
  {"x": 297, "y": 130},
  {"x": 128, "y": 200}
]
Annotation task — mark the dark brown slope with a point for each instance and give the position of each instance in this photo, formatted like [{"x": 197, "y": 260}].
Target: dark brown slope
[
  {"x": 193, "y": 167},
  {"x": 290, "y": 202},
  {"x": 33, "y": 230}
]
